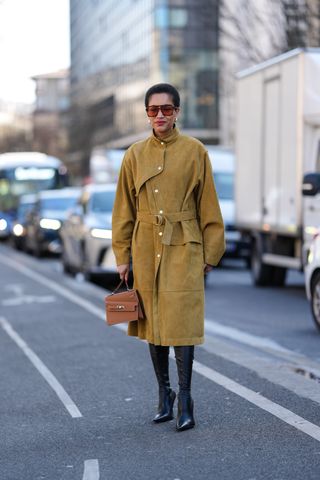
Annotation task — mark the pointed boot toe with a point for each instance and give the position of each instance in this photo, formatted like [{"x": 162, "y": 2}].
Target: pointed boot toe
[{"x": 185, "y": 418}]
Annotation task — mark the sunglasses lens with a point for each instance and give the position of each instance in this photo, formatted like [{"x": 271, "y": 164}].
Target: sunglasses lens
[
  {"x": 167, "y": 110},
  {"x": 152, "y": 111}
]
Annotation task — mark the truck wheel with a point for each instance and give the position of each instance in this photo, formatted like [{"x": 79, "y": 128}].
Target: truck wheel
[
  {"x": 315, "y": 299},
  {"x": 279, "y": 276},
  {"x": 261, "y": 273}
]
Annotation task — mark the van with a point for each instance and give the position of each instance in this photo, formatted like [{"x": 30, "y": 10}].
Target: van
[{"x": 223, "y": 166}]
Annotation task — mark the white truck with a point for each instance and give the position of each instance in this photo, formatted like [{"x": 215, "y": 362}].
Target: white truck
[{"x": 277, "y": 175}]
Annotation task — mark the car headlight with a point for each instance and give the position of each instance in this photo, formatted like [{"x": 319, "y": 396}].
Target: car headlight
[
  {"x": 3, "y": 224},
  {"x": 18, "y": 230},
  {"x": 101, "y": 233},
  {"x": 50, "y": 224}
]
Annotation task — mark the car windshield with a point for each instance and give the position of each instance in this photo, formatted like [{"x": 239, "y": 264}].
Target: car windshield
[
  {"x": 23, "y": 209},
  {"x": 59, "y": 203},
  {"x": 224, "y": 185},
  {"x": 102, "y": 201}
]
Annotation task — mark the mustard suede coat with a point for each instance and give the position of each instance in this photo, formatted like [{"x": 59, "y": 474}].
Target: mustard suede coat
[{"x": 167, "y": 217}]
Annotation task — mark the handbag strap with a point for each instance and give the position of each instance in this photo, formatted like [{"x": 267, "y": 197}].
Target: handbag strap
[{"x": 121, "y": 282}]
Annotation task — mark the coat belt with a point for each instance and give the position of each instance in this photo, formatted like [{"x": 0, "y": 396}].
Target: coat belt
[{"x": 166, "y": 219}]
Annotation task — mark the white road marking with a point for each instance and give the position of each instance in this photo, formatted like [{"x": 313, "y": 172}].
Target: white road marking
[
  {"x": 16, "y": 301},
  {"x": 44, "y": 281},
  {"x": 42, "y": 369},
  {"x": 265, "y": 404},
  {"x": 91, "y": 470},
  {"x": 262, "y": 402},
  {"x": 243, "y": 337},
  {"x": 16, "y": 288},
  {"x": 61, "y": 290}
]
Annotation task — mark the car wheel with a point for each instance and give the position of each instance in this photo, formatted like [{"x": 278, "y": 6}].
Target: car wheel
[
  {"x": 85, "y": 264},
  {"x": 65, "y": 265},
  {"x": 38, "y": 250},
  {"x": 315, "y": 299}
]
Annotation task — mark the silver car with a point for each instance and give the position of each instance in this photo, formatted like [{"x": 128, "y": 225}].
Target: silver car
[{"x": 86, "y": 233}]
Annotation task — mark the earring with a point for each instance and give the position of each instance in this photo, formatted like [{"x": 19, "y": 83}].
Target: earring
[{"x": 175, "y": 119}]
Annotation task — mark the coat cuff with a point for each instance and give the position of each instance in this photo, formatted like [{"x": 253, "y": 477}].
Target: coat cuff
[{"x": 214, "y": 259}]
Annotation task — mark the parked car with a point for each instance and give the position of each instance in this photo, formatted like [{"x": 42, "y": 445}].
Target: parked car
[
  {"x": 312, "y": 278},
  {"x": 222, "y": 160},
  {"x": 86, "y": 233},
  {"x": 18, "y": 231},
  {"x": 6, "y": 219},
  {"x": 45, "y": 220}
]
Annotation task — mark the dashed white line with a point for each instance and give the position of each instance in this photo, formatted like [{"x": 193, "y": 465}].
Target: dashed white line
[
  {"x": 42, "y": 369},
  {"x": 91, "y": 470}
]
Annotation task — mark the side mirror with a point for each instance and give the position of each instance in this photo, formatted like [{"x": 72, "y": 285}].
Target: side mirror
[{"x": 311, "y": 184}]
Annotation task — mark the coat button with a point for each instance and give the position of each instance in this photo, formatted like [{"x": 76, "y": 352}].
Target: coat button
[
  {"x": 160, "y": 211},
  {"x": 160, "y": 233},
  {"x": 156, "y": 190},
  {"x": 158, "y": 255},
  {"x": 159, "y": 168},
  {"x": 162, "y": 143}
]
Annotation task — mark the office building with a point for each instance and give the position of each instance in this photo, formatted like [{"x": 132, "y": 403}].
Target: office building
[
  {"x": 121, "y": 47},
  {"x": 50, "y": 115}
]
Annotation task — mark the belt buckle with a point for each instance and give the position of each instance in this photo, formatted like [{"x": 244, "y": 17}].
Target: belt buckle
[{"x": 159, "y": 220}]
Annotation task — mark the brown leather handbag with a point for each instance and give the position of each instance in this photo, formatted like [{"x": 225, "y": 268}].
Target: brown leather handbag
[{"x": 123, "y": 306}]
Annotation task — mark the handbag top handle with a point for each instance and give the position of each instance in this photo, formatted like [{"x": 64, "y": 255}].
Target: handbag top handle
[{"x": 117, "y": 288}]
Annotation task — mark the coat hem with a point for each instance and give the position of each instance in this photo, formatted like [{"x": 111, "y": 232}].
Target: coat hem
[{"x": 171, "y": 342}]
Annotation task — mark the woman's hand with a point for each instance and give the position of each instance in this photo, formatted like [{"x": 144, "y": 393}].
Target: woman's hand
[
  {"x": 123, "y": 271},
  {"x": 207, "y": 268}
]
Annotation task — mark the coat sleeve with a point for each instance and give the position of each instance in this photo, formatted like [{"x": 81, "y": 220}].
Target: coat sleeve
[
  {"x": 123, "y": 214},
  {"x": 210, "y": 218}
]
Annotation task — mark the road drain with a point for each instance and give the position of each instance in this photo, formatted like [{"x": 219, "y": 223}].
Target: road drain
[{"x": 307, "y": 374}]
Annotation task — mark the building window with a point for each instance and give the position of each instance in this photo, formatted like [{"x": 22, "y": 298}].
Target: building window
[
  {"x": 178, "y": 17},
  {"x": 161, "y": 17}
]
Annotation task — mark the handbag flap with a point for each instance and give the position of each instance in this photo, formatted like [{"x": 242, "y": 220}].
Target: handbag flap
[
  {"x": 127, "y": 296},
  {"x": 120, "y": 306}
]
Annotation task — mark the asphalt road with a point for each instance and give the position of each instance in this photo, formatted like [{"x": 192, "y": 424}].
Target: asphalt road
[{"x": 77, "y": 397}]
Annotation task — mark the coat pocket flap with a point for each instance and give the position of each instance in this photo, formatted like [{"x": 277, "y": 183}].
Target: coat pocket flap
[{"x": 121, "y": 306}]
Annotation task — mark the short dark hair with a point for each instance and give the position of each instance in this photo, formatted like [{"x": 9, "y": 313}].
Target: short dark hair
[{"x": 163, "y": 88}]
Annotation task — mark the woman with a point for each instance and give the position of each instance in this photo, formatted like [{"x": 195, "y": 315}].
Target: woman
[{"x": 167, "y": 218}]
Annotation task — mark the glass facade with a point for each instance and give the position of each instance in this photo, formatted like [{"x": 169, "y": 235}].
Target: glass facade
[
  {"x": 193, "y": 59},
  {"x": 121, "y": 47}
]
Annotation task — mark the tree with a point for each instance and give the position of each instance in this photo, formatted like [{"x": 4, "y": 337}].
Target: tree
[
  {"x": 258, "y": 30},
  {"x": 252, "y": 31}
]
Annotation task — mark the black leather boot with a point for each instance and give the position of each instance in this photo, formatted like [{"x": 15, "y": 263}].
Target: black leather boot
[
  {"x": 160, "y": 360},
  {"x": 184, "y": 359}
]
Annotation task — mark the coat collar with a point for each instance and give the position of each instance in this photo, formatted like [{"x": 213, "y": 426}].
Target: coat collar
[
  {"x": 150, "y": 167},
  {"x": 170, "y": 138}
]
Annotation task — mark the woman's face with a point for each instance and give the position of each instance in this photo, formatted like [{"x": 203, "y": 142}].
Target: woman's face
[{"x": 162, "y": 124}]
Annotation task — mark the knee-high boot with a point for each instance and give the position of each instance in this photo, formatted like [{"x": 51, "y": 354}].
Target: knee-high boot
[
  {"x": 184, "y": 359},
  {"x": 160, "y": 360}
]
